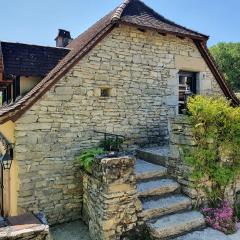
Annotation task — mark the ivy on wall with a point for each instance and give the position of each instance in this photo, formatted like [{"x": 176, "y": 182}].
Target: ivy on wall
[{"x": 215, "y": 160}]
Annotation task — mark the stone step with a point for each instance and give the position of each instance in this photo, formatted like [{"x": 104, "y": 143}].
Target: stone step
[
  {"x": 153, "y": 208},
  {"x": 157, "y": 155},
  {"x": 145, "y": 170},
  {"x": 176, "y": 225},
  {"x": 157, "y": 187}
]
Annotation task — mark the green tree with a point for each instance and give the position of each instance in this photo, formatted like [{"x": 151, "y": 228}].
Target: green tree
[{"x": 227, "y": 56}]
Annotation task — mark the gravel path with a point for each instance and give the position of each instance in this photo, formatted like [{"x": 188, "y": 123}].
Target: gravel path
[{"x": 74, "y": 231}]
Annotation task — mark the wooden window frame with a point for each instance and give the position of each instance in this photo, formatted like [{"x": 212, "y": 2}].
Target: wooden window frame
[{"x": 183, "y": 88}]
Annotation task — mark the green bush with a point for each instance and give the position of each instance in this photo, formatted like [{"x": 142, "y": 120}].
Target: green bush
[
  {"x": 111, "y": 144},
  {"x": 215, "y": 159},
  {"x": 87, "y": 157}
]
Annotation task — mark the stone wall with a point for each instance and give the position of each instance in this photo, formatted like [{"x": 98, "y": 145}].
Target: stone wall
[
  {"x": 180, "y": 138},
  {"x": 140, "y": 69},
  {"x": 110, "y": 203}
]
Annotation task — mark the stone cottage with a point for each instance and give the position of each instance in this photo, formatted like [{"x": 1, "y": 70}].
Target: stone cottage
[{"x": 127, "y": 75}]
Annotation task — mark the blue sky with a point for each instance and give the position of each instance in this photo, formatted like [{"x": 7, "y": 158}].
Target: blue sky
[{"x": 37, "y": 21}]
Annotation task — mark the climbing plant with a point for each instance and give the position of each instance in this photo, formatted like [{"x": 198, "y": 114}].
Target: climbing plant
[{"x": 215, "y": 160}]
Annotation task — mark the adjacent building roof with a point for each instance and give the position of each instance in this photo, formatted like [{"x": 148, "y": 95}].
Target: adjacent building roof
[
  {"x": 131, "y": 12},
  {"x": 30, "y": 60}
]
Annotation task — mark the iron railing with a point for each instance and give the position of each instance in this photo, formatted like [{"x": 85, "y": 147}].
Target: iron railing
[
  {"x": 112, "y": 142},
  {"x": 116, "y": 136}
]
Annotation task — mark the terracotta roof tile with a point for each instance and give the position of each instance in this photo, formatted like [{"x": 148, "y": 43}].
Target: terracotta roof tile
[{"x": 137, "y": 13}]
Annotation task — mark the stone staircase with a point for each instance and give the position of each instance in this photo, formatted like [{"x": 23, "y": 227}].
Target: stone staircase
[{"x": 166, "y": 211}]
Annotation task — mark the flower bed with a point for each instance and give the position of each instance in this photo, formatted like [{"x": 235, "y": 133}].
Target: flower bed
[{"x": 221, "y": 218}]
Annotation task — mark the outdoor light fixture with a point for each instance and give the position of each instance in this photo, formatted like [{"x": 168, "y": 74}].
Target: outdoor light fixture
[{"x": 6, "y": 160}]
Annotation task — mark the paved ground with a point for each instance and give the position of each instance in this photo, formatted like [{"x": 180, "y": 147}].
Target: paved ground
[
  {"x": 70, "y": 231},
  {"x": 209, "y": 234},
  {"x": 235, "y": 236},
  {"x": 78, "y": 231}
]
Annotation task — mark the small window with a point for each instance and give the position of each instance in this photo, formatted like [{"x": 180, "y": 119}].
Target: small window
[
  {"x": 105, "y": 92},
  {"x": 187, "y": 87},
  {"x": 16, "y": 88}
]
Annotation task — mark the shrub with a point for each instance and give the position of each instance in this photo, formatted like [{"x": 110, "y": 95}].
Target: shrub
[
  {"x": 87, "y": 157},
  {"x": 111, "y": 144},
  {"x": 215, "y": 160},
  {"x": 221, "y": 218}
]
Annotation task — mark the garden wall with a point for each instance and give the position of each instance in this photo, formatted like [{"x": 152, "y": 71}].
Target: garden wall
[{"x": 110, "y": 203}]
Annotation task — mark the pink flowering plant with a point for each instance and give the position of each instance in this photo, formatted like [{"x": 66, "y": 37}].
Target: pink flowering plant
[{"x": 221, "y": 218}]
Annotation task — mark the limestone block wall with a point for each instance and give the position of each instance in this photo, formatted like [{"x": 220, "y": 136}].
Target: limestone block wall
[
  {"x": 181, "y": 137},
  {"x": 140, "y": 71},
  {"x": 110, "y": 203}
]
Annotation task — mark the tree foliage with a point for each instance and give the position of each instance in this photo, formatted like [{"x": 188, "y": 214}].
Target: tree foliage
[
  {"x": 216, "y": 157},
  {"x": 227, "y": 56}
]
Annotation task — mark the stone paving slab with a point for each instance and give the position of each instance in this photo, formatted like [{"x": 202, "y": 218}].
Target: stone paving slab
[
  {"x": 157, "y": 187},
  {"x": 176, "y": 224},
  {"x": 78, "y": 231},
  {"x": 161, "y": 150},
  {"x": 235, "y": 236},
  {"x": 70, "y": 231},
  {"x": 146, "y": 170},
  {"x": 206, "y": 234},
  {"x": 143, "y": 166}
]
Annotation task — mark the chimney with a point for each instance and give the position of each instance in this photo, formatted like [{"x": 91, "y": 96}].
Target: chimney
[{"x": 63, "y": 38}]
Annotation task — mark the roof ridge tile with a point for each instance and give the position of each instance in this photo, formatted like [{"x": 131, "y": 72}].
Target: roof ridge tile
[{"x": 118, "y": 12}]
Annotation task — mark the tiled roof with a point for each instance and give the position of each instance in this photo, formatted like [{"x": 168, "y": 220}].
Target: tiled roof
[
  {"x": 132, "y": 12},
  {"x": 30, "y": 60},
  {"x": 137, "y": 13}
]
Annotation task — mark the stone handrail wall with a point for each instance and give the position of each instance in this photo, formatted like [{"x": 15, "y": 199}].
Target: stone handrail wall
[
  {"x": 110, "y": 203},
  {"x": 180, "y": 137}
]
